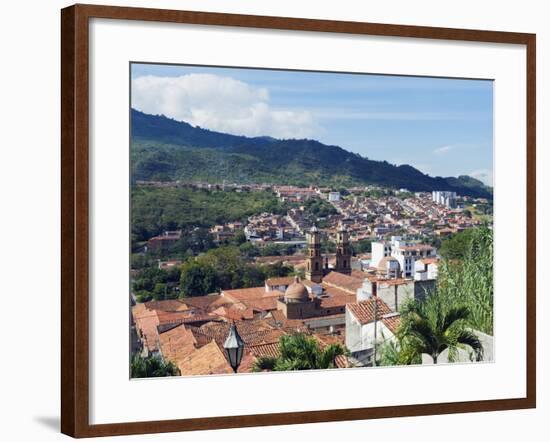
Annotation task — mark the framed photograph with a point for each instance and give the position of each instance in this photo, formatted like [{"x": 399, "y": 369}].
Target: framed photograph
[{"x": 272, "y": 221}]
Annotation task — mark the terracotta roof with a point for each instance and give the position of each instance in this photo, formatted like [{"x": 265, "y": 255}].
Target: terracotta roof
[
  {"x": 167, "y": 318},
  {"x": 345, "y": 282},
  {"x": 279, "y": 320},
  {"x": 177, "y": 343},
  {"x": 270, "y": 350},
  {"x": 252, "y": 332},
  {"x": 148, "y": 320},
  {"x": 286, "y": 280},
  {"x": 234, "y": 312},
  {"x": 364, "y": 310},
  {"x": 336, "y": 296},
  {"x": 249, "y": 294},
  {"x": 146, "y": 323},
  {"x": 202, "y": 302},
  {"x": 168, "y": 305},
  {"x": 208, "y": 359},
  {"x": 429, "y": 261},
  {"x": 392, "y": 322},
  {"x": 262, "y": 305},
  {"x": 358, "y": 274},
  {"x": 340, "y": 361}
]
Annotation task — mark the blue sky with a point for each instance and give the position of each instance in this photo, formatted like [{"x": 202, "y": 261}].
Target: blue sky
[{"x": 441, "y": 126}]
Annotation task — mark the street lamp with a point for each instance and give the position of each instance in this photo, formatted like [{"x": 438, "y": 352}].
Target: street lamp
[{"x": 234, "y": 346}]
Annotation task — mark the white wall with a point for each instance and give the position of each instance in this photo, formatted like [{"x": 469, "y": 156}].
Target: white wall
[{"x": 29, "y": 174}]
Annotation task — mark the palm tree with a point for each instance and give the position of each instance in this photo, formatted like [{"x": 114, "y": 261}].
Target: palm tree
[
  {"x": 433, "y": 326},
  {"x": 300, "y": 352}
]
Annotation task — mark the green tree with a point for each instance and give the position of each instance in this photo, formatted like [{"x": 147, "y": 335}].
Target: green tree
[
  {"x": 433, "y": 326},
  {"x": 300, "y": 352},
  {"x": 362, "y": 246},
  {"x": 249, "y": 250},
  {"x": 198, "y": 279},
  {"x": 390, "y": 353},
  {"x": 469, "y": 282},
  {"x": 151, "y": 367},
  {"x": 457, "y": 245}
]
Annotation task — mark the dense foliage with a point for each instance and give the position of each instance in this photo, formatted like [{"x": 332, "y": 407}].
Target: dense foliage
[
  {"x": 151, "y": 367},
  {"x": 300, "y": 352},
  {"x": 164, "y": 149},
  {"x": 157, "y": 284},
  {"x": 155, "y": 210},
  {"x": 433, "y": 326},
  {"x": 469, "y": 281},
  {"x": 457, "y": 245},
  {"x": 361, "y": 246},
  {"x": 316, "y": 208},
  {"x": 461, "y": 305},
  {"x": 225, "y": 268}
]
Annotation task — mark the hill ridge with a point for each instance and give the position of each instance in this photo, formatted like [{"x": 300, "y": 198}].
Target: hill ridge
[{"x": 167, "y": 149}]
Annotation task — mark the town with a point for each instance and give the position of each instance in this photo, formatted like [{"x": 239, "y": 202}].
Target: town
[{"x": 333, "y": 266}]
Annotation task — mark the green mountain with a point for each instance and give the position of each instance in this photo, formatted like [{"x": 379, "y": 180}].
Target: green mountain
[{"x": 166, "y": 149}]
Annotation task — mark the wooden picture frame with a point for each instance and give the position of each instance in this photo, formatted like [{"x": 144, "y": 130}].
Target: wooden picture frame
[{"x": 75, "y": 219}]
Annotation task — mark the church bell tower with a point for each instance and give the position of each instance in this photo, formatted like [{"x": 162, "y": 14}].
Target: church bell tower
[
  {"x": 343, "y": 251},
  {"x": 314, "y": 264}
]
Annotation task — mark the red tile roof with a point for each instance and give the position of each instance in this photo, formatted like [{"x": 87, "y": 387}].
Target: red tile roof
[
  {"x": 336, "y": 297},
  {"x": 208, "y": 359},
  {"x": 249, "y": 294},
  {"x": 286, "y": 280},
  {"x": 177, "y": 343},
  {"x": 168, "y": 305},
  {"x": 262, "y": 305},
  {"x": 364, "y": 310},
  {"x": 203, "y": 302},
  {"x": 149, "y": 317},
  {"x": 344, "y": 282},
  {"x": 253, "y": 332},
  {"x": 392, "y": 322},
  {"x": 358, "y": 274}
]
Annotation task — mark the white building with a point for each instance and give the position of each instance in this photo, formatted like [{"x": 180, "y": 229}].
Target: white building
[
  {"x": 406, "y": 253},
  {"x": 445, "y": 198},
  {"x": 426, "y": 268},
  {"x": 369, "y": 324},
  {"x": 334, "y": 196}
]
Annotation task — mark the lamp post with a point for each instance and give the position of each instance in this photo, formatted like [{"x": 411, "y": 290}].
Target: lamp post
[{"x": 234, "y": 346}]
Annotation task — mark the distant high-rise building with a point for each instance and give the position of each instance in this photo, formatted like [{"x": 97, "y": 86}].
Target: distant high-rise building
[{"x": 445, "y": 198}]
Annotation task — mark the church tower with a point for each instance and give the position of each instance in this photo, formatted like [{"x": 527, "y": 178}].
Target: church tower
[
  {"x": 314, "y": 264},
  {"x": 343, "y": 251}
]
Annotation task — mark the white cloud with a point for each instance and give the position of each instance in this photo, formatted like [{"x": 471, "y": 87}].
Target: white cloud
[
  {"x": 483, "y": 175},
  {"x": 219, "y": 103},
  {"x": 443, "y": 150}
]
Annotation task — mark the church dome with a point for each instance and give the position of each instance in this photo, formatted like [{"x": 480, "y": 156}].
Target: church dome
[{"x": 296, "y": 292}]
